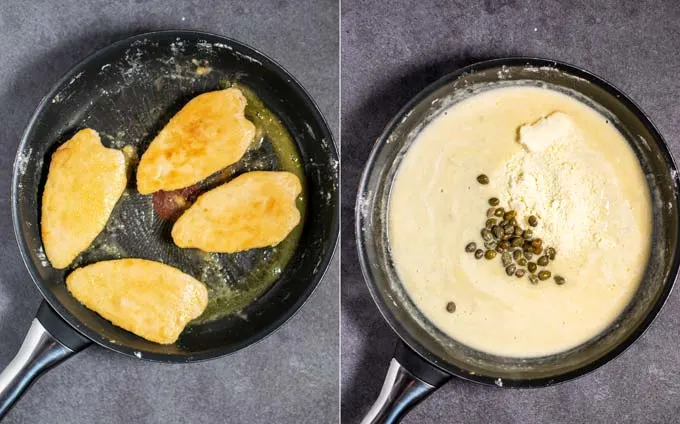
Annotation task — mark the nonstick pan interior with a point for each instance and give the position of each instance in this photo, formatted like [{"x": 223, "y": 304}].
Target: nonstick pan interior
[
  {"x": 395, "y": 304},
  {"x": 128, "y": 92}
]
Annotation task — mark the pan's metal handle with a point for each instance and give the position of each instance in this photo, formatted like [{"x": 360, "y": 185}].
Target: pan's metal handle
[
  {"x": 409, "y": 380},
  {"x": 48, "y": 342}
]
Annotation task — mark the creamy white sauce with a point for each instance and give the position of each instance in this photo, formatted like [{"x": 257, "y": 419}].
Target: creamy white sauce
[{"x": 575, "y": 172}]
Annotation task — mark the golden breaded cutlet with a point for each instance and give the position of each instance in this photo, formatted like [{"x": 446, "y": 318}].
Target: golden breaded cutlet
[
  {"x": 209, "y": 133},
  {"x": 150, "y": 299},
  {"x": 84, "y": 183},
  {"x": 255, "y": 209}
]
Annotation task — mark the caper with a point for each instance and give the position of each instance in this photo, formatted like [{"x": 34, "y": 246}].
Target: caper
[
  {"x": 533, "y": 221},
  {"x": 543, "y": 261},
  {"x": 516, "y": 242},
  {"x": 543, "y": 275},
  {"x": 520, "y": 273},
  {"x": 497, "y": 231},
  {"x": 559, "y": 280},
  {"x": 550, "y": 252},
  {"x": 490, "y": 223},
  {"x": 504, "y": 244},
  {"x": 450, "y": 307},
  {"x": 482, "y": 179},
  {"x": 527, "y": 247},
  {"x": 522, "y": 262},
  {"x": 518, "y": 231},
  {"x": 494, "y": 201},
  {"x": 528, "y": 255},
  {"x": 491, "y": 245},
  {"x": 509, "y": 229},
  {"x": 517, "y": 254},
  {"x": 503, "y": 223},
  {"x": 531, "y": 266},
  {"x": 509, "y": 215},
  {"x": 506, "y": 258},
  {"x": 500, "y": 249},
  {"x": 486, "y": 234},
  {"x": 490, "y": 254},
  {"x": 528, "y": 234},
  {"x": 479, "y": 253},
  {"x": 537, "y": 250},
  {"x": 510, "y": 270},
  {"x": 506, "y": 236},
  {"x": 533, "y": 278},
  {"x": 471, "y": 247},
  {"x": 499, "y": 212},
  {"x": 537, "y": 243},
  {"x": 490, "y": 212}
]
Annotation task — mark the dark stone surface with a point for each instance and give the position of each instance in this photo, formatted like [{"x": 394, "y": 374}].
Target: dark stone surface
[
  {"x": 292, "y": 376},
  {"x": 392, "y": 50}
]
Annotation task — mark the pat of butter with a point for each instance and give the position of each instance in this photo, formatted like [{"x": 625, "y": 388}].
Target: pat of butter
[{"x": 540, "y": 135}]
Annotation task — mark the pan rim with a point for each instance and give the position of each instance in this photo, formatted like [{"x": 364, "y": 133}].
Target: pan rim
[
  {"x": 208, "y": 354},
  {"x": 367, "y": 270}
]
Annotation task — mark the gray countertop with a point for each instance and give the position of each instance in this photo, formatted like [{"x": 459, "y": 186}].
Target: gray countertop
[
  {"x": 391, "y": 51},
  {"x": 292, "y": 376}
]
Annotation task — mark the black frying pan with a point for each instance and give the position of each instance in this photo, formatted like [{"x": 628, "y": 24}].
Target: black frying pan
[
  {"x": 426, "y": 358},
  {"x": 127, "y": 92}
]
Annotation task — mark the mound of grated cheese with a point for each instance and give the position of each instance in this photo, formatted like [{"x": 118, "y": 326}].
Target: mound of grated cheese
[{"x": 555, "y": 177}]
